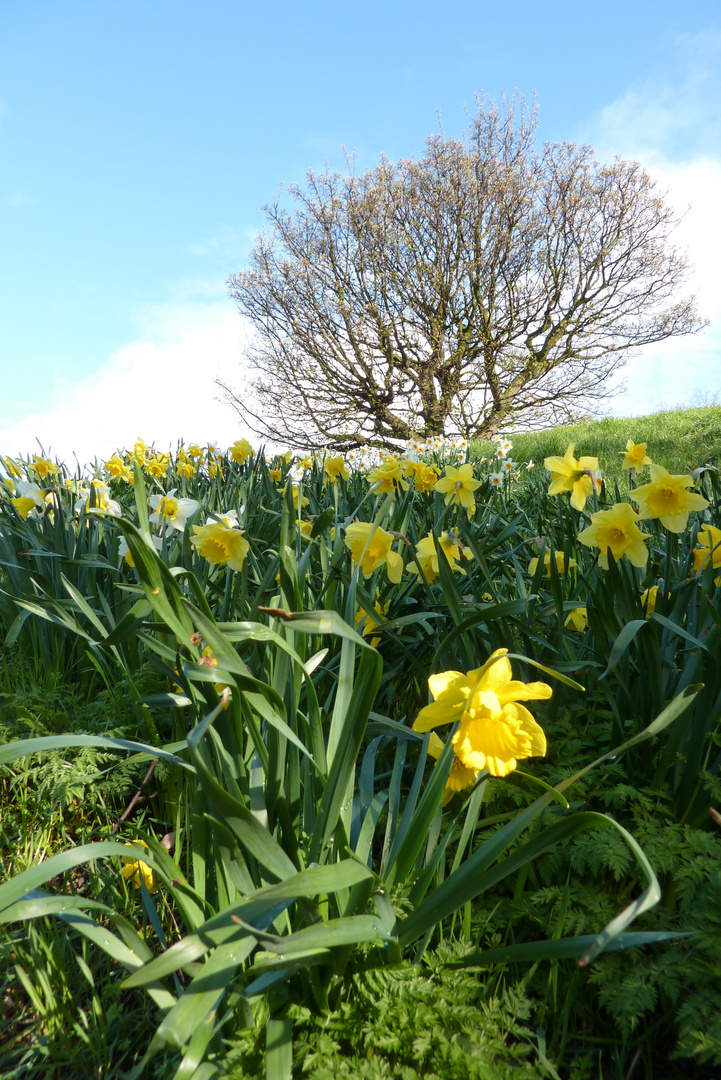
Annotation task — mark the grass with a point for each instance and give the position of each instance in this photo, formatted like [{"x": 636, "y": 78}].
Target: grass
[{"x": 681, "y": 440}]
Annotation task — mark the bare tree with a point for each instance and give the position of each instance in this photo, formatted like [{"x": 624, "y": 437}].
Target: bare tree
[{"x": 486, "y": 284}]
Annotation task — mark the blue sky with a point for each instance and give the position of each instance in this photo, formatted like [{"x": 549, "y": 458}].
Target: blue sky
[{"x": 139, "y": 142}]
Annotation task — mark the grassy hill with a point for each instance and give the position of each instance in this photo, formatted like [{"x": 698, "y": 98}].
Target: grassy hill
[{"x": 680, "y": 440}]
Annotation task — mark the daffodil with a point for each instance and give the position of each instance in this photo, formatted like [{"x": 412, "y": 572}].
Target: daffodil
[
  {"x": 648, "y": 599},
  {"x": 667, "y": 499},
  {"x": 219, "y": 544},
  {"x": 634, "y": 456},
  {"x": 458, "y": 486},
  {"x": 136, "y": 870},
  {"x": 171, "y": 513},
  {"x": 460, "y": 776},
  {"x": 371, "y": 547},
  {"x": 195, "y": 451},
  {"x": 577, "y": 620},
  {"x": 335, "y": 469},
  {"x": 424, "y": 476},
  {"x": 157, "y": 465},
  {"x": 240, "y": 451},
  {"x": 101, "y": 500},
  {"x": 562, "y": 565},
  {"x": 495, "y": 732},
  {"x": 427, "y": 556},
  {"x": 366, "y": 622},
  {"x": 615, "y": 530},
  {"x": 709, "y": 539},
  {"x": 30, "y": 500},
  {"x": 275, "y": 474},
  {"x": 43, "y": 466},
  {"x": 496, "y": 479},
  {"x": 118, "y": 469},
  {"x": 390, "y": 476},
  {"x": 126, "y": 555},
  {"x": 578, "y": 477}
]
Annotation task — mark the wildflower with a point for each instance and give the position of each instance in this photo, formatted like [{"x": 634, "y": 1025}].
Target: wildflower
[
  {"x": 214, "y": 450},
  {"x": 195, "y": 451},
  {"x": 665, "y": 498},
  {"x": 306, "y": 528},
  {"x": 577, "y": 619},
  {"x": 134, "y": 869},
  {"x": 496, "y": 479},
  {"x": 648, "y": 599},
  {"x": 118, "y": 469},
  {"x": 139, "y": 451},
  {"x": 275, "y": 474},
  {"x": 634, "y": 456},
  {"x": 126, "y": 555},
  {"x": 578, "y": 477},
  {"x": 459, "y": 486},
  {"x": 427, "y": 556},
  {"x": 710, "y": 550},
  {"x": 240, "y": 451},
  {"x": 43, "y": 467},
  {"x": 158, "y": 465},
  {"x": 184, "y": 466},
  {"x": 615, "y": 530},
  {"x": 335, "y": 469},
  {"x": 508, "y": 466},
  {"x": 218, "y": 543},
  {"x": 101, "y": 499},
  {"x": 531, "y": 464},
  {"x": 30, "y": 500},
  {"x": 367, "y": 622},
  {"x": 12, "y": 466},
  {"x": 460, "y": 776},
  {"x": 299, "y": 501},
  {"x": 170, "y": 512},
  {"x": 214, "y": 469},
  {"x": 371, "y": 547},
  {"x": 496, "y": 732},
  {"x": 424, "y": 476},
  {"x": 389, "y": 476},
  {"x": 560, "y": 560},
  {"x": 305, "y": 462}
]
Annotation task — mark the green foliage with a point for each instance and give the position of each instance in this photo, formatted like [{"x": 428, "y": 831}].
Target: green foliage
[{"x": 431, "y": 1021}]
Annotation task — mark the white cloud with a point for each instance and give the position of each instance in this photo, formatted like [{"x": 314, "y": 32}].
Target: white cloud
[
  {"x": 160, "y": 387},
  {"x": 674, "y": 130}
]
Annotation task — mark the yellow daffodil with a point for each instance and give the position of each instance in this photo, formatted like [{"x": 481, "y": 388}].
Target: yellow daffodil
[
  {"x": 709, "y": 539},
  {"x": 371, "y": 547},
  {"x": 240, "y": 451},
  {"x": 157, "y": 465},
  {"x": 367, "y": 622},
  {"x": 648, "y": 599},
  {"x": 458, "y": 486},
  {"x": 427, "y": 556},
  {"x": 135, "y": 869},
  {"x": 195, "y": 451},
  {"x": 424, "y": 476},
  {"x": 460, "y": 776},
  {"x": 634, "y": 456},
  {"x": 666, "y": 498},
  {"x": 578, "y": 477},
  {"x": 390, "y": 476},
  {"x": 495, "y": 731},
  {"x": 615, "y": 530},
  {"x": 218, "y": 543},
  {"x": 43, "y": 467},
  {"x": 275, "y": 474},
  {"x": 335, "y": 469},
  {"x": 577, "y": 619},
  {"x": 118, "y": 469},
  {"x": 560, "y": 560},
  {"x": 140, "y": 451}
]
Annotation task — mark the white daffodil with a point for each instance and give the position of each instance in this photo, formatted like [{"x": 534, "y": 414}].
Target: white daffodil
[
  {"x": 171, "y": 513},
  {"x": 30, "y": 501},
  {"x": 124, "y": 551},
  {"x": 102, "y": 502}
]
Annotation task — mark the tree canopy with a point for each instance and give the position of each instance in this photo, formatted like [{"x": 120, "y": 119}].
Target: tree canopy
[{"x": 488, "y": 283}]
